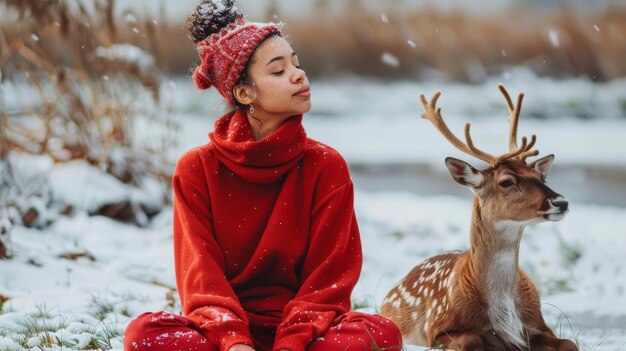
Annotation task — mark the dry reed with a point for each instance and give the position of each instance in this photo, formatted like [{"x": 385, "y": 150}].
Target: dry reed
[
  {"x": 461, "y": 46},
  {"x": 84, "y": 93}
]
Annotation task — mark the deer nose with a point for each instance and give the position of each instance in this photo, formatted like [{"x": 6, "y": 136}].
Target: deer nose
[{"x": 561, "y": 204}]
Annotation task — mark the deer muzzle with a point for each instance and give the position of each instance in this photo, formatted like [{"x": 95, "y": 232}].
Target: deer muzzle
[{"x": 556, "y": 208}]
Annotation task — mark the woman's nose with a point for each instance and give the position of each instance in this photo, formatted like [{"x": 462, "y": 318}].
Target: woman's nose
[{"x": 299, "y": 75}]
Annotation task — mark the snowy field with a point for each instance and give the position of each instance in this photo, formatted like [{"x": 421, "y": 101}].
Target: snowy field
[{"x": 577, "y": 263}]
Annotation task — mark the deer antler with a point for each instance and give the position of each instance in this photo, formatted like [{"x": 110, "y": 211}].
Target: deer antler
[
  {"x": 514, "y": 112},
  {"x": 433, "y": 114}
]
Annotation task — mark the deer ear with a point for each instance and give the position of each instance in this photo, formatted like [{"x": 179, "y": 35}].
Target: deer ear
[
  {"x": 464, "y": 174},
  {"x": 543, "y": 165}
]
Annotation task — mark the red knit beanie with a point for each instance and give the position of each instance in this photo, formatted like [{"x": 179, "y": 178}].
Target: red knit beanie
[{"x": 224, "y": 55}]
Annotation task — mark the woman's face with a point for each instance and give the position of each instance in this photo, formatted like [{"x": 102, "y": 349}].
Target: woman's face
[{"x": 280, "y": 87}]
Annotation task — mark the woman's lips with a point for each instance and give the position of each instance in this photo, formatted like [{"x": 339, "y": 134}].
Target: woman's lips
[{"x": 304, "y": 92}]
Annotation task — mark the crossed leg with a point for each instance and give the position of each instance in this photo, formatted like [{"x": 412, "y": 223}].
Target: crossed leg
[
  {"x": 161, "y": 331},
  {"x": 461, "y": 341},
  {"x": 353, "y": 331}
]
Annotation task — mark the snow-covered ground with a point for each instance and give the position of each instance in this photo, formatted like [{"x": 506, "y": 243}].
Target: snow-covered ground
[{"x": 577, "y": 263}]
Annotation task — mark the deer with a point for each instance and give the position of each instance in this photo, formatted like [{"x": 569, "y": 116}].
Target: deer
[{"x": 479, "y": 299}]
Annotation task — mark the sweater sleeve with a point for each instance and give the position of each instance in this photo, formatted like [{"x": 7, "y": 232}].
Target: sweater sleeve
[
  {"x": 206, "y": 296},
  {"x": 330, "y": 271}
]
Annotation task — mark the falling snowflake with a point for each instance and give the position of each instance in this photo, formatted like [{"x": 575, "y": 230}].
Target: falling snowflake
[{"x": 390, "y": 60}]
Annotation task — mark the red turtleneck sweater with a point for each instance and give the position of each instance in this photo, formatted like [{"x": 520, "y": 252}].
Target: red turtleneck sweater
[{"x": 266, "y": 244}]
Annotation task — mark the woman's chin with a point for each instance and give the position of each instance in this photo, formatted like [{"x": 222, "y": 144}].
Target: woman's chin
[
  {"x": 307, "y": 107},
  {"x": 295, "y": 110},
  {"x": 300, "y": 111}
]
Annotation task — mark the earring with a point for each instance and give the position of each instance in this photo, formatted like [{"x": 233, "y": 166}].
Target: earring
[{"x": 252, "y": 110}]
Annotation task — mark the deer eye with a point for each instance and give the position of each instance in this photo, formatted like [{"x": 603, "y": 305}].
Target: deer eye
[{"x": 506, "y": 183}]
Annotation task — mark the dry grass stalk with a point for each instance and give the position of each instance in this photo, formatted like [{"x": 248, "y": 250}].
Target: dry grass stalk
[
  {"x": 81, "y": 105},
  {"x": 464, "y": 47}
]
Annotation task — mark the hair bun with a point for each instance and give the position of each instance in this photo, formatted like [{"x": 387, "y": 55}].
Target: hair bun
[{"x": 210, "y": 17}]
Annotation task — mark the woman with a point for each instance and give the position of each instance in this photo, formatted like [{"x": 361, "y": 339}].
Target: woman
[{"x": 266, "y": 243}]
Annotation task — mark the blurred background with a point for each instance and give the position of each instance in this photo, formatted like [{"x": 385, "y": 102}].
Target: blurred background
[
  {"x": 97, "y": 104},
  {"x": 409, "y": 39}
]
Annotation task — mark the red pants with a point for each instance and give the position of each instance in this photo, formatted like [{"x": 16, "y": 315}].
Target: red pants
[{"x": 354, "y": 331}]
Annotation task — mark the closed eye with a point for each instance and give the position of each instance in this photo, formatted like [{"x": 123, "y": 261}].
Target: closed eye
[{"x": 279, "y": 72}]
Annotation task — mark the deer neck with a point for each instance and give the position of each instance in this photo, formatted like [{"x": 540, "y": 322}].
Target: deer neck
[
  {"x": 493, "y": 266},
  {"x": 494, "y": 251}
]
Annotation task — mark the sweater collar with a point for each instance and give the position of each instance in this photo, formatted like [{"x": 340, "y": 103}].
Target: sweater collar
[{"x": 263, "y": 161}]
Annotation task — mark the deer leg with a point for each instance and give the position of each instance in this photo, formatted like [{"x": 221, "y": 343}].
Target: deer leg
[
  {"x": 549, "y": 342},
  {"x": 460, "y": 341},
  {"x": 544, "y": 342},
  {"x": 566, "y": 345}
]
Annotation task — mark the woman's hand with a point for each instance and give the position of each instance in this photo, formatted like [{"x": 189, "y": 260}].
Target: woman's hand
[{"x": 240, "y": 347}]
